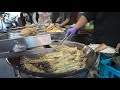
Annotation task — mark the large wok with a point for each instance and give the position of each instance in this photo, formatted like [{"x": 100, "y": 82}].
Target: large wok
[{"x": 90, "y": 54}]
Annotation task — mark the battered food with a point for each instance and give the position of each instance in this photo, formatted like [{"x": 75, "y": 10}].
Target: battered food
[
  {"x": 63, "y": 59},
  {"x": 52, "y": 28},
  {"x": 29, "y": 30}
]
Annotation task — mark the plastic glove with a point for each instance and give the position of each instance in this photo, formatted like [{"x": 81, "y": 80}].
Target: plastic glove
[{"x": 71, "y": 31}]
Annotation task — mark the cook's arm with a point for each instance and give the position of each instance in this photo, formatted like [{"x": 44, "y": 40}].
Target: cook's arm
[
  {"x": 67, "y": 20},
  {"x": 86, "y": 17},
  {"x": 81, "y": 22},
  {"x": 34, "y": 18},
  {"x": 64, "y": 22}
]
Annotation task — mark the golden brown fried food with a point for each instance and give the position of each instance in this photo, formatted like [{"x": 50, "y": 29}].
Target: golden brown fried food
[
  {"x": 25, "y": 32},
  {"x": 29, "y": 30},
  {"x": 52, "y": 28},
  {"x": 30, "y": 67},
  {"x": 63, "y": 59}
]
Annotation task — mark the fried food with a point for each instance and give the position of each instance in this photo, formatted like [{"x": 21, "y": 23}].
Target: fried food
[
  {"x": 31, "y": 67},
  {"x": 63, "y": 59},
  {"x": 30, "y": 30},
  {"x": 52, "y": 28}
]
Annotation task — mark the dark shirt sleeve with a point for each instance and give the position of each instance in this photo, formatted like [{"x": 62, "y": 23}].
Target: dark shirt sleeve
[
  {"x": 90, "y": 15},
  {"x": 55, "y": 16},
  {"x": 68, "y": 14}
]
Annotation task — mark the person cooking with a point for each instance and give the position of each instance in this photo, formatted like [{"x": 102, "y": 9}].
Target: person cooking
[
  {"x": 64, "y": 19},
  {"x": 106, "y": 27},
  {"x": 54, "y": 16},
  {"x": 41, "y": 17}
]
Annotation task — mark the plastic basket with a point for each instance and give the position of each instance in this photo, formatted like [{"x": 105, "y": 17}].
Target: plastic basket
[
  {"x": 104, "y": 56},
  {"x": 117, "y": 67},
  {"x": 107, "y": 69}
]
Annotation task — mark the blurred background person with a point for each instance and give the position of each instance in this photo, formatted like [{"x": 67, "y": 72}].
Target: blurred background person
[
  {"x": 74, "y": 17},
  {"x": 54, "y": 16},
  {"x": 65, "y": 18},
  {"x": 41, "y": 17},
  {"x": 25, "y": 19}
]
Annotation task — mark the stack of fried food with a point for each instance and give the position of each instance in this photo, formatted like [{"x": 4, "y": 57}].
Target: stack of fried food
[
  {"x": 29, "y": 30},
  {"x": 52, "y": 28},
  {"x": 63, "y": 59}
]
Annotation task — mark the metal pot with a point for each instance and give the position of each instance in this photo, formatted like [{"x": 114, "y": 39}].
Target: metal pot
[
  {"x": 90, "y": 54},
  {"x": 14, "y": 34},
  {"x": 3, "y": 36}
]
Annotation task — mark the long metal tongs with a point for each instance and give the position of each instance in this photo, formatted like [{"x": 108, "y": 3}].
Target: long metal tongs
[{"x": 65, "y": 38}]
